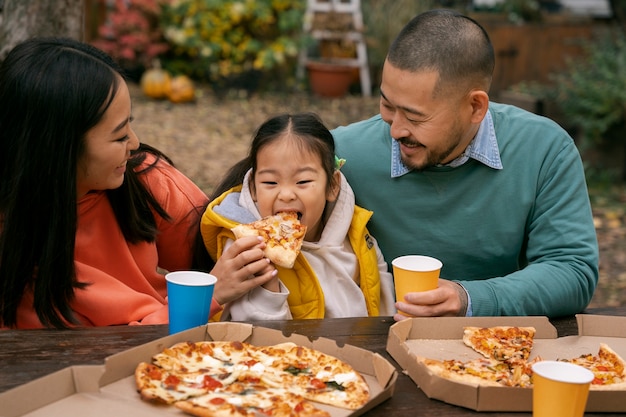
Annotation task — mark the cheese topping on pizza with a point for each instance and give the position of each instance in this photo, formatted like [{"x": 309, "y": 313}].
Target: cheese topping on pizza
[
  {"x": 283, "y": 234},
  {"x": 238, "y": 379}
]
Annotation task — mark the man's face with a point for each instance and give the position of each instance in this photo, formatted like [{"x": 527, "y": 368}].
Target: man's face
[{"x": 430, "y": 129}]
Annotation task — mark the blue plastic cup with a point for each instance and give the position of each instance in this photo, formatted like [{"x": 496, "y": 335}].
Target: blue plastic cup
[{"x": 189, "y": 295}]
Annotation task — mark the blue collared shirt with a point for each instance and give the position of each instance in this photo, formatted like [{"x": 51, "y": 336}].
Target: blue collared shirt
[{"x": 483, "y": 148}]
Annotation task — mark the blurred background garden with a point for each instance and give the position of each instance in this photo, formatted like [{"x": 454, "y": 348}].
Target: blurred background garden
[{"x": 205, "y": 73}]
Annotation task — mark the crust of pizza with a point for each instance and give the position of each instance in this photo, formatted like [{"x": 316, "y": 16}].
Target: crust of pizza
[
  {"x": 621, "y": 386},
  {"x": 282, "y": 256},
  {"x": 450, "y": 370},
  {"x": 283, "y": 235},
  {"x": 156, "y": 385},
  {"x": 145, "y": 384},
  {"x": 608, "y": 354},
  {"x": 192, "y": 408}
]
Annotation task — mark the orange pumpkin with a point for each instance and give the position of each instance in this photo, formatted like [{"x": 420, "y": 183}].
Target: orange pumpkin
[
  {"x": 181, "y": 89},
  {"x": 155, "y": 82}
]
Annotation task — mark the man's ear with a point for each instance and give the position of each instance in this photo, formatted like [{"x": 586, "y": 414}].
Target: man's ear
[
  {"x": 333, "y": 193},
  {"x": 479, "y": 100}
]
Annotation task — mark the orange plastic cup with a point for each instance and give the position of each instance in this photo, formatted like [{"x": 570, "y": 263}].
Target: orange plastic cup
[
  {"x": 413, "y": 273},
  {"x": 560, "y": 389}
]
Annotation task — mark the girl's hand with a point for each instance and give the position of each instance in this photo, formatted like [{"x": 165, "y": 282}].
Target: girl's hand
[{"x": 241, "y": 268}]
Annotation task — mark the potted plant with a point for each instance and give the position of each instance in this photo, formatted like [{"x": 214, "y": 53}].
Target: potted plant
[
  {"x": 329, "y": 73},
  {"x": 329, "y": 80}
]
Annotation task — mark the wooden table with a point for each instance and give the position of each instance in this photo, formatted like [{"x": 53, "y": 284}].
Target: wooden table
[{"x": 29, "y": 354}]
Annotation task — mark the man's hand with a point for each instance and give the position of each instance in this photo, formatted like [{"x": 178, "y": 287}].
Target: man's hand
[{"x": 449, "y": 299}]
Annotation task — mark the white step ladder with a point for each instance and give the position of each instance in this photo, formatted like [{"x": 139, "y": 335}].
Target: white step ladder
[{"x": 354, "y": 33}]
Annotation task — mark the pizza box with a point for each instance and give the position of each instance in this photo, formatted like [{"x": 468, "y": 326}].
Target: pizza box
[
  {"x": 109, "y": 389},
  {"x": 441, "y": 338}
]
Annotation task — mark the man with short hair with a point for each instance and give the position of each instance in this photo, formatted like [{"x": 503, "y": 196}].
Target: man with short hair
[{"x": 496, "y": 193}]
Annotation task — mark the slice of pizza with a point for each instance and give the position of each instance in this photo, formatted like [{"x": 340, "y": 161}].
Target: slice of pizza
[
  {"x": 609, "y": 369},
  {"x": 190, "y": 369},
  {"x": 314, "y": 375},
  {"x": 213, "y": 357},
  {"x": 161, "y": 386},
  {"x": 283, "y": 234},
  {"x": 501, "y": 343},
  {"x": 483, "y": 371},
  {"x": 476, "y": 372}
]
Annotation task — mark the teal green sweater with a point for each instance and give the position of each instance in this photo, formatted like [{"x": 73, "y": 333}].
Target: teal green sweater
[{"x": 521, "y": 240}]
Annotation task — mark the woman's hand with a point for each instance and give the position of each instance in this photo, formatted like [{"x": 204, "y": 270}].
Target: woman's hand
[{"x": 241, "y": 268}]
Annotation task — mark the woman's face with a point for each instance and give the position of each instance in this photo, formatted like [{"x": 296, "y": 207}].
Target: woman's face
[
  {"x": 289, "y": 179},
  {"x": 107, "y": 147}
]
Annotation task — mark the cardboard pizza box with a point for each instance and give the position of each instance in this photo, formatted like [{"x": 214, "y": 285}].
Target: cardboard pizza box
[
  {"x": 441, "y": 338},
  {"x": 110, "y": 390}
]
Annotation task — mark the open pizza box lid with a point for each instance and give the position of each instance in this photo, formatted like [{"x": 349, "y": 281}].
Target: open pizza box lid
[
  {"x": 441, "y": 338},
  {"x": 110, "y": 390}
]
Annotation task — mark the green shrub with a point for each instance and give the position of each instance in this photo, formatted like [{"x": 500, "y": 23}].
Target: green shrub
[
  {"x": 591, "y": 92},
  {"x": 226, "y": 41},
  {"x": 588, "y": 97}
]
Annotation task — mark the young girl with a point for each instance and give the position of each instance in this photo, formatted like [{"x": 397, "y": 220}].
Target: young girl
[{"x": 340, "y": 271}]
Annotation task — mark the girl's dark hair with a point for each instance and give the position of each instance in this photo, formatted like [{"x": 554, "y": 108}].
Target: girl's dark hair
[
  {"x": 52, "y": 91},
  {"x": 312, "y": 135}
]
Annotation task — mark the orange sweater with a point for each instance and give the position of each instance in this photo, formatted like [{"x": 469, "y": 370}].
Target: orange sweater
[{"x": 125, "y": 285}]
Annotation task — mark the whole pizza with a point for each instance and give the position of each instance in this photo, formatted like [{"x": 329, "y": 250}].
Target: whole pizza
[{"x": 235, "y": 379}]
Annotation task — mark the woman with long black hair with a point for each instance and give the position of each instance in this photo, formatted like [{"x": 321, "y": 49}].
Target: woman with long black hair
[{"x": 89, "y": 217}]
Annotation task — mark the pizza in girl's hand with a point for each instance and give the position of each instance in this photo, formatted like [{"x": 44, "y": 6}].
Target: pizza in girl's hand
[{"x": 283, "y": 235}]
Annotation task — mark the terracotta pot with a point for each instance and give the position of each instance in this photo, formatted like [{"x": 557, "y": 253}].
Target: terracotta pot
[{"x": 329, "y": 80}]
